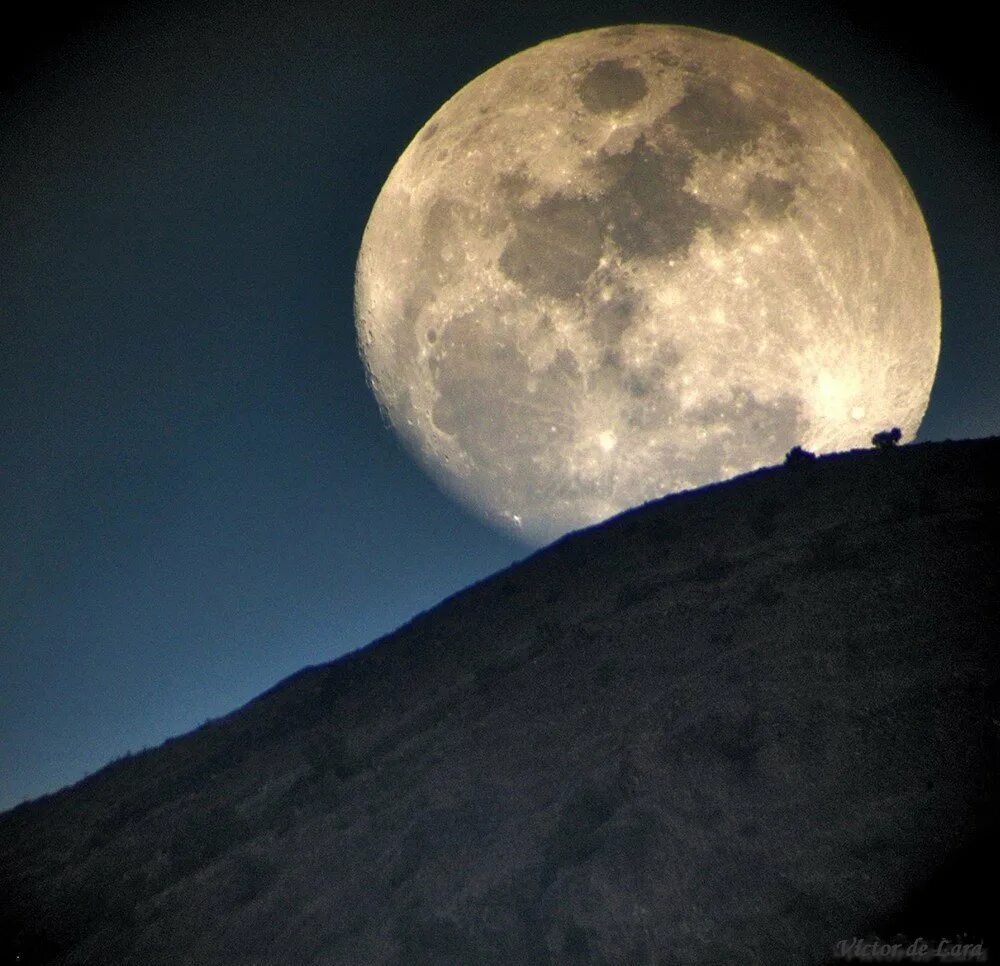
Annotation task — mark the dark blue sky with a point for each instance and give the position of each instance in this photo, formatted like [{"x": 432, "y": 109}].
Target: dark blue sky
[{"x": 197, "y": 493}]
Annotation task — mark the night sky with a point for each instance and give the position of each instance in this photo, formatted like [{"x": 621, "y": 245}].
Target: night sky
[{"x": 198, "y": 495}]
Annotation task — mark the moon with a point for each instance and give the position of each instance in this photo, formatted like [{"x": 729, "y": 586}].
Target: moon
[{"x": 637, "y": 260}]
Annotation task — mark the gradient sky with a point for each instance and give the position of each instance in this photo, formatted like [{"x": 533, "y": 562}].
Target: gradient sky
[{"x": 197, "y": 493}]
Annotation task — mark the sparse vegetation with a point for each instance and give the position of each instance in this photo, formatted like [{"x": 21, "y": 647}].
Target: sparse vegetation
[
  {"x": 797, "y": 456},
  {"x": 887, "y": 438},
  {"x": 510, "y": 777}
]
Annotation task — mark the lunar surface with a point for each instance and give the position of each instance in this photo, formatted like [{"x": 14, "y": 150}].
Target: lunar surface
[{"x": 637, "y": 260}]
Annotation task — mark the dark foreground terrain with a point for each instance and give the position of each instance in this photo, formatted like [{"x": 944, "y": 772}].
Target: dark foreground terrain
[{"x": 731, "y": 727}]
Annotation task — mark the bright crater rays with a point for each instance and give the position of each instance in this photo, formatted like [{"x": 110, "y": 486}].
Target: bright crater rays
[{"x": 637, "y": 260}]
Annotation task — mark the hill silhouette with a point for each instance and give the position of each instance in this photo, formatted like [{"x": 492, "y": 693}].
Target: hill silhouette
[{"x": 734, "y": 726}]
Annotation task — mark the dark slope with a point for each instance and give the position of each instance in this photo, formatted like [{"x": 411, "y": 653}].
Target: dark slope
[{"x": 732, "y": 726}]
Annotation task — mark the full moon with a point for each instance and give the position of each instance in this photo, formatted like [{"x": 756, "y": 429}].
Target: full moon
[{"x": 637, "y": 260}]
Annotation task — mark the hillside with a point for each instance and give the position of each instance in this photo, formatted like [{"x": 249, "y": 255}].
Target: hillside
[{"x": 733, "y": 726}]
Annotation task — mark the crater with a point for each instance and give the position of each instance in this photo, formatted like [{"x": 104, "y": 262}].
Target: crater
[{"x": 610, "y": 86}]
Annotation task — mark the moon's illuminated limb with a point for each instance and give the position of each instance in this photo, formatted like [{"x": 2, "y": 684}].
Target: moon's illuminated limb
[{"x": 636, "y": 260}]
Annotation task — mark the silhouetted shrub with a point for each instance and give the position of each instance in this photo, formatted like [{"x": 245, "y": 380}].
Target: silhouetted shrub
[
  {"x": 796, "y": 456},
  {"x": 888, "y": 438}
]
